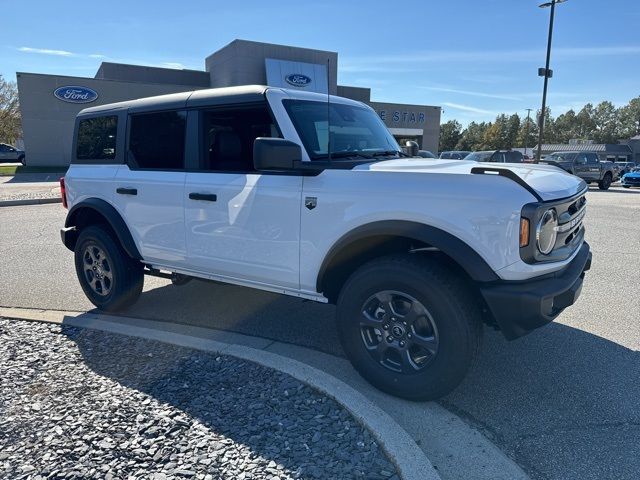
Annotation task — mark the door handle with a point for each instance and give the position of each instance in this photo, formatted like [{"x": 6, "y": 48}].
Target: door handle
[
  {"x": 207, "y": 197},
  {"x": 127, "y": 191}
]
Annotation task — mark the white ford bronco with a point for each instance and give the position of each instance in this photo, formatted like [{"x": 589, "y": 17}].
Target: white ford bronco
[{"x": 305, "y": 195}]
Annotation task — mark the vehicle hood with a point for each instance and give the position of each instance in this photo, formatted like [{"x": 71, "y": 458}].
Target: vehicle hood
[
  {"x": 632, "y": 174},
  {"x": 549, "y": 182}
]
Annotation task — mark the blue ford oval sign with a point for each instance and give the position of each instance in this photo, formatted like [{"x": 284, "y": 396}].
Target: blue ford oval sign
[
  {"x": 297, "y": 80},
  {"x": 75, "y": 94}
]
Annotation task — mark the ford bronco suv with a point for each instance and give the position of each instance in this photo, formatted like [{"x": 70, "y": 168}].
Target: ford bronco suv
[{"x": 310, "y": 196}]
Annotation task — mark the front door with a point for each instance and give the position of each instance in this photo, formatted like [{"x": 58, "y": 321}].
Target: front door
[
  {"x": 592, "y": 165},
  {"x": 241, "y": 223},
  {"x": 149, "y": 189}
]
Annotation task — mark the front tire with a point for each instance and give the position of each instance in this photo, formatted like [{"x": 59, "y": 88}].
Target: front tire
[
  {"x": 605, "y": 183},
  {"x": 409, "y": 326},
  {"x": 110, "y": 279}
]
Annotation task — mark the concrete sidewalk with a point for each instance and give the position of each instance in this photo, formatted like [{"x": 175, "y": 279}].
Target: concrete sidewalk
[{"x": 29, "y": 189}]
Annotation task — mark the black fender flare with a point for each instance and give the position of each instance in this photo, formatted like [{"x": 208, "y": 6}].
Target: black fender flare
[
  {"x": 461, "y": 253},
  {"x": 113, "y": 218}
]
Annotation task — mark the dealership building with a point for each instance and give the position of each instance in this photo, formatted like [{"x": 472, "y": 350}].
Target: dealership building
[{"x": 49, "y": 103}]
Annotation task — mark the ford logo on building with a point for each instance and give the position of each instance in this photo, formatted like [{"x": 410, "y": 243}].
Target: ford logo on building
[
  {"x": 75, "y": 94},
  {"x": 298, "y": 80}
]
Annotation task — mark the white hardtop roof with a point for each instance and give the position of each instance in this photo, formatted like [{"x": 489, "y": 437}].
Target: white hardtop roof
[{"x": 214, "y": 96}]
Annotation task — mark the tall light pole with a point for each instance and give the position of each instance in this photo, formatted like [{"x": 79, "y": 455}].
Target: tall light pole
[
  {"x": 546, "y": 72},
  {"x": 526, "y": 137}
]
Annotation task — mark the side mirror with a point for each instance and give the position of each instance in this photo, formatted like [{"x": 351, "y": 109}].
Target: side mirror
[
  {"x": 411, "y": 148},
  {"x": 275, "y": 154}
]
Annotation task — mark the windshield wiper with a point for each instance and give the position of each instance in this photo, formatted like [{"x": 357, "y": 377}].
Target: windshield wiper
[
  {"x": 347, "y": 155},
  {"x": 390, "y": 152}
]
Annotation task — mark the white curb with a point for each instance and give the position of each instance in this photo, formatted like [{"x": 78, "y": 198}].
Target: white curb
[{"x": 29, "y": 201}]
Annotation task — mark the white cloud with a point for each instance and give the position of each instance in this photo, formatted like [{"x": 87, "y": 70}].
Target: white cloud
[
  {"x": 408, "y": 61},
  {"x": 175, "y": 65},
  {"x": 469, "y": 108},
  {"x": 97, "y": 55},
  {"x": 475, "y": 94},
  {"x": 47, "y": 51}
]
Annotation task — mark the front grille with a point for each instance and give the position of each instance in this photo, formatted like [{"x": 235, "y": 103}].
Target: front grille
[
  {"x": 632, "y": 180},
  {"x": 570, "y": 230},
  {"x": 570, "y": 223}
]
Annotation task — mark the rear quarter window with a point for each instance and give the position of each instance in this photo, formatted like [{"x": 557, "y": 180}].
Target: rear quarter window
[{"x": 97, "y": 138}]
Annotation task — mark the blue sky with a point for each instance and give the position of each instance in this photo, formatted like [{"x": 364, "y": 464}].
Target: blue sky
[{"x": 475, "y": 58}]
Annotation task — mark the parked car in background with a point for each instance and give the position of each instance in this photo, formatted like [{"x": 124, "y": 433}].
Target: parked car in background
[
  {"x": 426, "y": 154},
  {"x": 626, "y": 167},
  {"x": 454, "y": 154},
  {"x": 496, "y": 156},
  {"x": 9, "y": 153},
  {"x": 631, "y": 179},
  {"x": 585, "y": 165}
]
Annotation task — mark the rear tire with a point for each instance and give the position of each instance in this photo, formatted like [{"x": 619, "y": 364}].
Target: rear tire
[
  {"x": 605, "y": 183},
  {"x": 110, "y": 279},
  {"x": 418, "y": 301}
]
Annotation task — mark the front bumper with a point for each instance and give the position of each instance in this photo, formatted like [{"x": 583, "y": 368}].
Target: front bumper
[
  {"x": 628, "y": 182},
  {"x": 520, "y": 307}
]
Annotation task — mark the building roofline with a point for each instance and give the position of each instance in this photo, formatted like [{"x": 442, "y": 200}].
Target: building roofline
[
  {"x": 187, "y": 70},
  {"x": 407, "y": 104},
  {"x": 106, "y": 80},
  {"x": 242, "y": 40}
]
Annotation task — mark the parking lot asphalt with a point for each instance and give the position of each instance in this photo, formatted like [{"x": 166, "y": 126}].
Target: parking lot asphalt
[{"x": 564, "y": 402}]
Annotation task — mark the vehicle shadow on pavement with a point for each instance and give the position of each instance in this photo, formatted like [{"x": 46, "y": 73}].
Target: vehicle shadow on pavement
[
  {"x": 565, "y": 403},
  {"x": 242, "y": 310}
]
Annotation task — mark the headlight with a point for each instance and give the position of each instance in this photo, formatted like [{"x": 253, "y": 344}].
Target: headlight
[{"x": 546, "y": 231}]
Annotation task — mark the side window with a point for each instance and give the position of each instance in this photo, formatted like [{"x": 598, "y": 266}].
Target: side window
[
  {"x": 592, "y": 158},
  {"x": 581, "y": 158},
  {"x": 156, "y": 140},
  {"x": 514, "y": 157},
  {"x": 228, "y": 134},
  {"x": 97, "y": 138}
]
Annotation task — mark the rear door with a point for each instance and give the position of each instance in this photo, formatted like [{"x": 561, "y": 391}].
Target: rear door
[
  {"x": 149, "y": 188},
  {"x": 241, "y": 223}
]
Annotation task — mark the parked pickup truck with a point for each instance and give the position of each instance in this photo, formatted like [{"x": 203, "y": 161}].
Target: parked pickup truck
[
  {"x": 303, "y": 195},
  {"x": 585, "y": 165}
]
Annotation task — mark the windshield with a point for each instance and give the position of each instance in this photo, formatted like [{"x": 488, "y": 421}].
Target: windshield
[
  {"x": 479, "y": 156},
  {"x": 556, "y": 157},
  {"x": 355, "y": 130}
]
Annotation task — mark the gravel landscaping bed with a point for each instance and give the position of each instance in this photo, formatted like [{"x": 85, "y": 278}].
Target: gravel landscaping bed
[
  {"x": 30, "y": 195},
  {"x": 78, "y": 403}
]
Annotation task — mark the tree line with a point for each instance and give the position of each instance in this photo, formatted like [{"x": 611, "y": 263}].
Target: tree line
[
  {"x": 603, "y": 123},
  {"x": 10, "y": 126}
]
